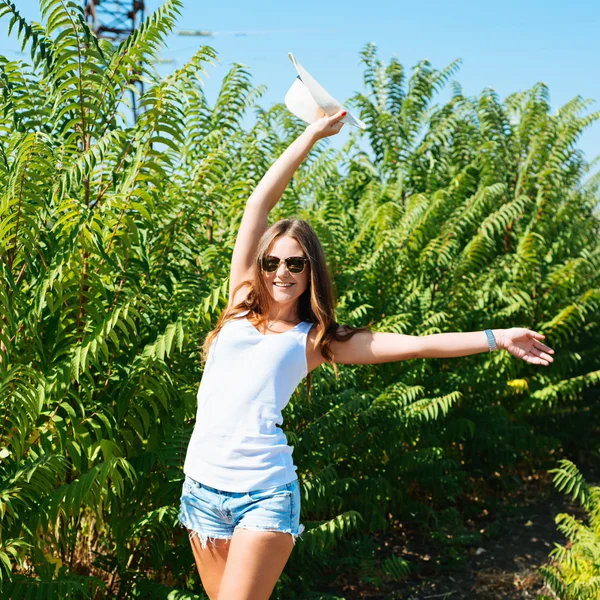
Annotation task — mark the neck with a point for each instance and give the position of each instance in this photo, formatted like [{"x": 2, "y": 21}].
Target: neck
[{"x": 289, "y": 315}]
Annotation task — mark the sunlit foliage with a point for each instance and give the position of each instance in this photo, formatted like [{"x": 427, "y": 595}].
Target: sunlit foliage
[{"x": 115, "y": 246}]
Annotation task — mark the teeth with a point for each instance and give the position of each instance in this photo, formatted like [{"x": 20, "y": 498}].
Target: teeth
[{"x": 284, "y": 285}]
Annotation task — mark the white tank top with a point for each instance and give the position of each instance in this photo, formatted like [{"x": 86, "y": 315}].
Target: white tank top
[{"x": 248, "y": 379}]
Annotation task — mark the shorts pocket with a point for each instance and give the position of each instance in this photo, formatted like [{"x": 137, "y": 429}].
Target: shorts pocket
[
  {"x": 276, "y": 492},
  {"x": 191, "y": 487}
]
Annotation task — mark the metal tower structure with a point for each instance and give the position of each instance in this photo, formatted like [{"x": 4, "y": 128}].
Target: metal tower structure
[{"x": 116, "y": 20}]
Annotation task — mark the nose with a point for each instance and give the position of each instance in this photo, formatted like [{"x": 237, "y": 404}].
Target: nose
[{"x": 281, "y": 269}]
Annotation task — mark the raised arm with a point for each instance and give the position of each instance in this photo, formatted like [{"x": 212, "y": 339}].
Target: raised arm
[
  {"x": 276, "y": 179},
  {"x": 266, "y": 195},
  {"x": 380, "y": 347}
]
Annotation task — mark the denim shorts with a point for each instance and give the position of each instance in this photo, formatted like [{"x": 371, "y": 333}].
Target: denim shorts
[{"x": 210, "y": 513}]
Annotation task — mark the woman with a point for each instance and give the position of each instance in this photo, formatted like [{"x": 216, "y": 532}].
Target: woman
[{"x": 241, "y": 492}]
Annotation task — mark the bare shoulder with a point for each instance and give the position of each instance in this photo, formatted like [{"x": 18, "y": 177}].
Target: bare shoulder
[
  {"x": 314, "y": 358},
  {"x": 313, "y": 355}
]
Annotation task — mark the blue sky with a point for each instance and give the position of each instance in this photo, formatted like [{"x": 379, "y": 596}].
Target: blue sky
[{"x": 506, "y": 46}]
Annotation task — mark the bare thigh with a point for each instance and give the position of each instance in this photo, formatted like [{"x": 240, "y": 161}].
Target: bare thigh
[
  {"x": 211, "y": 563},
  {"x": 256, "y": 560}
]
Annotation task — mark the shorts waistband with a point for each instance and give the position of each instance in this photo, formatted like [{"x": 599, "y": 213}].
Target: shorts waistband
[{"x": 237, "y": 494}]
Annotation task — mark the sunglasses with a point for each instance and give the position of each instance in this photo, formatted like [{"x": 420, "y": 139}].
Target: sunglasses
[{"x": 295, "y": 264}]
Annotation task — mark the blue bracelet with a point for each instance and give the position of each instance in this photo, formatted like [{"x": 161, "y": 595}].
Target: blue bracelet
[{"x": 491, "y": 339}]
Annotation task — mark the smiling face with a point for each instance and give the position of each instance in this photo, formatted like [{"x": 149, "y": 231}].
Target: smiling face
[{"x": 284, "y": 247}]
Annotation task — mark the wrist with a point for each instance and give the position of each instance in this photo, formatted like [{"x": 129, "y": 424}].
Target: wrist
[
  {"x": 311, "y": 134},
  {"x": 499, "y": 336}
]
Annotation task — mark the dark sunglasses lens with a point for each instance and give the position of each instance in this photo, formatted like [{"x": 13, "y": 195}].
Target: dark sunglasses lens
[
  {"x": 270, "y": 264},
  {"x": 295, "y": 265}
]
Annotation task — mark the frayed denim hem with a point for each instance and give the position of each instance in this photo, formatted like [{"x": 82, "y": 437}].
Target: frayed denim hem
[{"x": 204, "y": 538}]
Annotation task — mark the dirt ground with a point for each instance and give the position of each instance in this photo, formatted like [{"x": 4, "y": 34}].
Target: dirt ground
[{"x": 500, "y": 567}]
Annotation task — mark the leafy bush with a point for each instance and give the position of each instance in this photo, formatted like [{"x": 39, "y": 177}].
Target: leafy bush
[{"x": 115, "y": 245}]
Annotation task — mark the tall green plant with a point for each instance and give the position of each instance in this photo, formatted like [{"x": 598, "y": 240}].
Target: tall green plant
[{"x": 115, "y": 245}]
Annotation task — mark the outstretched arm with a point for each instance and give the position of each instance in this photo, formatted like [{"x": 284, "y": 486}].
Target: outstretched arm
[{"x": 379, "y": 347}]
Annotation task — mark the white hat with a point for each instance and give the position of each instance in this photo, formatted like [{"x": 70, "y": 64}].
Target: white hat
[{"x": 306, "y": 96}]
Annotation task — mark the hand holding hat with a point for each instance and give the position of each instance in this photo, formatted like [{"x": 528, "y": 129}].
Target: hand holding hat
[
  {"x": 309, "y": 101},
  {"x": 326, "y": 125}
]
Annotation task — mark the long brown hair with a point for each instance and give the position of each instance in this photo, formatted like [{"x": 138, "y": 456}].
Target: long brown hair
[{"x": 316, "y": 304}]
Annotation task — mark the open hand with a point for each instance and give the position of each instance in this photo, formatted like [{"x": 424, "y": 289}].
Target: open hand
[
  {"x": 327, "y": 125},
  {"x": 524, "y": 343}
]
